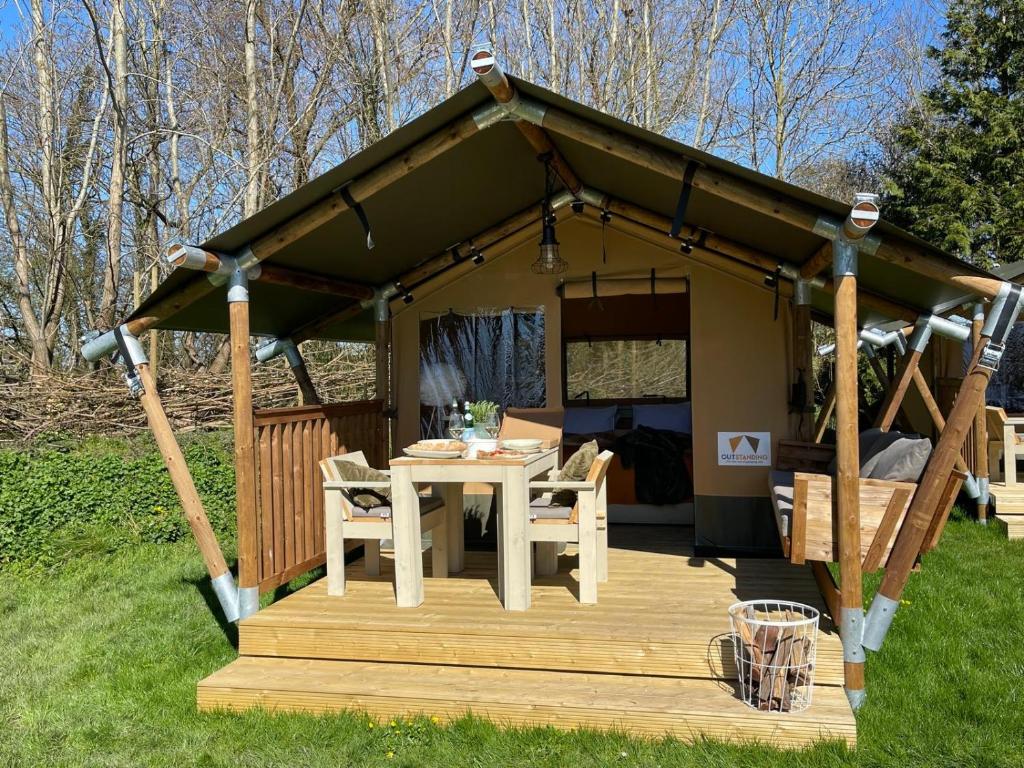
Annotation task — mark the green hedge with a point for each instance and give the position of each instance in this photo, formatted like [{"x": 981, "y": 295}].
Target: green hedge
[{"x": 105, "y": 494}]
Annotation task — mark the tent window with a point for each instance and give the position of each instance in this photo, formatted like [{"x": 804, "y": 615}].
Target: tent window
[
  {"x": 626, "y": 369},
  {"x": 495, "y": 355}
]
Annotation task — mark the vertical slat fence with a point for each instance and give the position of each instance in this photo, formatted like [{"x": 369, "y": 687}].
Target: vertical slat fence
[{"x": 290, "y": 442}]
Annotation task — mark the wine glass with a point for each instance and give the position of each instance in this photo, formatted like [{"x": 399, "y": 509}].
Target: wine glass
[
  {"x": 456, "y": 425},
  {"x": 491, "y": 424}
]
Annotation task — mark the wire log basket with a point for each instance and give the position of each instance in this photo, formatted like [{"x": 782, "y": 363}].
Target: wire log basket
[{"x": 774, "y": 644}]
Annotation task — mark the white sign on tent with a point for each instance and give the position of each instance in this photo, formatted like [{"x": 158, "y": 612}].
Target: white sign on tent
[{"x": 744, "y": 449}]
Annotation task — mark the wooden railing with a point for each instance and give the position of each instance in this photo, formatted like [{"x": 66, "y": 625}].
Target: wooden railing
[{"x": 289, "y": 496}]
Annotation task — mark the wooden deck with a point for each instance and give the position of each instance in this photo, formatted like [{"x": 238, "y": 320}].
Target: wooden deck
[
  {"x": 653, "y": 657},
  {"x": 1009, "y": 505}
]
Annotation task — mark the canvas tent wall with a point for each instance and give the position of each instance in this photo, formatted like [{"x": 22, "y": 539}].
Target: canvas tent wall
[{"x": 739, "y": 368}]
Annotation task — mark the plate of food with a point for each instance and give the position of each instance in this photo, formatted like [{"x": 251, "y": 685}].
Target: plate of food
[
  {"x": 524, "y": 445},
  {"x": 502, "y": 453},
  {"x": 436, "y": 449}
]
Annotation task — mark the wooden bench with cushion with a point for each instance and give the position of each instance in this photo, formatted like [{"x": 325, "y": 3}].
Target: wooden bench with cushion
[{"x": 801, "y": 493}]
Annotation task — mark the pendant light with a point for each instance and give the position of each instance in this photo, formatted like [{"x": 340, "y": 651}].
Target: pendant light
[{"x": 548, "y": 262}]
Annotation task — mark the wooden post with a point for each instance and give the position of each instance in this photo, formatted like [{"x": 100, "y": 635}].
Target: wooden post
[
  {"x": 980, "y": 428},
  {"x": 918, "y": 520},
  {"x": 803, "y": 359},
  {"x": 846, "y": 491},
  {"x": 825, "y": 414},
  {"x": 245, "y": 453},
  {"x": 382, "y": 312},
  {"x": 191, "y": 504}
]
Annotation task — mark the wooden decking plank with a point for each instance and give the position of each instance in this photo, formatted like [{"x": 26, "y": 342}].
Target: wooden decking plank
[{"x": 686, "y": 709}]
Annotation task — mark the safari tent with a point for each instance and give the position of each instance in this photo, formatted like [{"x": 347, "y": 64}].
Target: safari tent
[{"x": 511, "y": 230}]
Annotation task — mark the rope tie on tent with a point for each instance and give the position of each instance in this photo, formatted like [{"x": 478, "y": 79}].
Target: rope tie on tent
[
  {"x": 684, "y": 197},
  {"x": 360, "y": 214}
]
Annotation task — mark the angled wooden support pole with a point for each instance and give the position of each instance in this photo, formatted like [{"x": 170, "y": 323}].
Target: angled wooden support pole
[
  {"x": 846, "y": 493},
  {"x": 898, "y": 387},
  {"x": 245, "y": 451},
  {"x": 827, "y": 408},
  {"x": 981, "y": 468},
  {"x": 932, "y": 406},
  {"x": 1004, "y": 311},
  {"x": 142, "y": 385},
  {"x": 876, "y": 366},
  {"x": 287, "y": 347}
]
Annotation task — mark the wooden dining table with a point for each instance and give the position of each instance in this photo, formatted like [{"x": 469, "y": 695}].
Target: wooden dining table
[{"x": 510, "y": 477}]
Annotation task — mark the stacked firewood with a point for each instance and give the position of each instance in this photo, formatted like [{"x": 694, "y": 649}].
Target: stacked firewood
[
  {"x": 79, "y": 403},
  {"x": 776, "y": 663}
]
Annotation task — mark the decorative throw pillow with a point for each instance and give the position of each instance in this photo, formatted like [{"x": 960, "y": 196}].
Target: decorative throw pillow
[
  {"x": 364, "y": 497},
  {"x": 576, "y": 469},
  {"x": 867, "y": 440},
  {"x": 903, "y": 460}
]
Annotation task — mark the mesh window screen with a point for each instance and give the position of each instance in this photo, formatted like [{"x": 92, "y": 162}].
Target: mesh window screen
[{"x": 485, "y": 354}]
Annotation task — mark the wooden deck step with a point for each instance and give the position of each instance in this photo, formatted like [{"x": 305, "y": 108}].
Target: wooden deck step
[
  {"x": 673, "y": 625},
  {"x": 1012, "y": 525},
  {"x": 1009, "y": 506},
  {"x": 1007, "y": 500},
  {"x": 652, "y": 707}
]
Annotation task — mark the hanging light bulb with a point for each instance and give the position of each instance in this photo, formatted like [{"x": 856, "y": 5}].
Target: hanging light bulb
[{"x": 549, "y": 262}]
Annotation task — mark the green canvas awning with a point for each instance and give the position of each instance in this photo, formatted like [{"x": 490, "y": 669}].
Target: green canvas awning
[{"x": 487, "y": 178}]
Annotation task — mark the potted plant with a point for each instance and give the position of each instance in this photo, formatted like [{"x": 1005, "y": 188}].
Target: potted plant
[{"x": 485, "y": 418}]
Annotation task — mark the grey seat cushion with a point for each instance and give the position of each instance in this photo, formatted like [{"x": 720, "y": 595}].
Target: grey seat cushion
[
  {"x": 427, "y": 504},
  {"x": 546, "y": 509},
  {"x": 782, "y": 496}
]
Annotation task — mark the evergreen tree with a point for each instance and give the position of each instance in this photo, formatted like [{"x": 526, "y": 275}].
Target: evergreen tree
[{"x": 955, "y": 165}]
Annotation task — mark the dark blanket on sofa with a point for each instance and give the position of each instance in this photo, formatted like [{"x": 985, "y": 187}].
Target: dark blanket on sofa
[{"x": 657, "y": 455}]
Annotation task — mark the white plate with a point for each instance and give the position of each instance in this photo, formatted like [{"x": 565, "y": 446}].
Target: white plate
[
  {"x": 419, "y": 453},
  {"x": 522, "y": 445}
]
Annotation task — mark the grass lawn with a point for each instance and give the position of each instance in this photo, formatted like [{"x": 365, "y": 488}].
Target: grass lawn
[{"x": 98, "y": 666}]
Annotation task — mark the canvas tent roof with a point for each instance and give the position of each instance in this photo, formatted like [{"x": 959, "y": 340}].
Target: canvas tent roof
[{"x": 485, "y": 179}]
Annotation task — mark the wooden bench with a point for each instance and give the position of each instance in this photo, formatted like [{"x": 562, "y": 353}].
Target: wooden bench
[
  {"x": 801, "y": 493},
  {"x": 1004, "y": 442}
]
